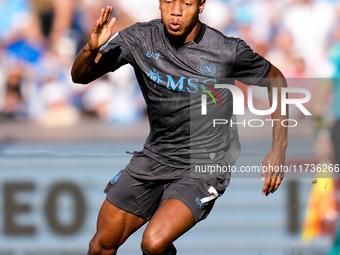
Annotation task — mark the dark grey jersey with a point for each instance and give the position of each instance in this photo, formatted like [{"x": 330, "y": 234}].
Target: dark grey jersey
[{"x": 172, "y": 81}]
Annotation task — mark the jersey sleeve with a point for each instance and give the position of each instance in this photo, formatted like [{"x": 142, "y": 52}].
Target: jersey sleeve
[
  {"x": 249, "y": 67},
  {"x": 116, "y": 50}
]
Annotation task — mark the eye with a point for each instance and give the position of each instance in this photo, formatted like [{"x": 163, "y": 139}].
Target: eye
[{"x": 187, "y": 4}]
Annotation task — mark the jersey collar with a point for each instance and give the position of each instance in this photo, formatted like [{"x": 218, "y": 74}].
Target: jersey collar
[
  {"x": 197, "y": 40},
  {"x": 200, "y": 35}
]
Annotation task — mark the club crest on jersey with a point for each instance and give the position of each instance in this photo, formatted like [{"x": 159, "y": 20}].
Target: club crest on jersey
[{"x": 208, "y": 69}]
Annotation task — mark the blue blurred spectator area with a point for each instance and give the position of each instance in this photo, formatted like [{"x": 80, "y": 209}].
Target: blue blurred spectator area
[{"x": 39, "y": 40}]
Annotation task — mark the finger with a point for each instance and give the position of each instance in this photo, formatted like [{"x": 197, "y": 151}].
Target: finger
[
  {"x": 279, "y": 179},
  {"x": 112, "y": 23},
  {"x": 265, "y": 172},
  {"x": 101, "y": 16},
  {"x": 266, "y": 186},
  {"x": 96, "y": 27},
  {"x": 278, "y": 183},
  {"x": 106, "y": 16},
  {"x": 271, "y": 186},
  {"x": 110, "y": 14}
]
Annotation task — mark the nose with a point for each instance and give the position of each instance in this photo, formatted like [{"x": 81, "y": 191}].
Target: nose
[{"x": 176, "y": 8}]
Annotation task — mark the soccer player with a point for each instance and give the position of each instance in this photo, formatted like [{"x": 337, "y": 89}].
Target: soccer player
[{"x": 175, "y": 59}]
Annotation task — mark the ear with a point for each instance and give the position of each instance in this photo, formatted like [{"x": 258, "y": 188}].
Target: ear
[
  {"x": 201, "y": 7},
  {"x": 159, "y": 4}
]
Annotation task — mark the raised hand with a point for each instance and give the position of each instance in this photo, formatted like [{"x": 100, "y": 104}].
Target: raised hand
[{"x": 102, "y": 30}]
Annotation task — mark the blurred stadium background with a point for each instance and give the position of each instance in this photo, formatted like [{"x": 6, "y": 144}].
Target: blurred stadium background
[{"x": 60, "y": 143}]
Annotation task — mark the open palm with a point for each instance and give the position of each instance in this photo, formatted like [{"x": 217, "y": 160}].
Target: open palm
[{"x": 103, "y": 29}]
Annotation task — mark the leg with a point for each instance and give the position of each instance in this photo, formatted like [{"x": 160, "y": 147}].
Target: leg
[
  {"x": 126, "y": 198},
  {"x": 114, "y": 226},
  {"x": 171, "y": 220},
  {"x": 186, "y": 201}
]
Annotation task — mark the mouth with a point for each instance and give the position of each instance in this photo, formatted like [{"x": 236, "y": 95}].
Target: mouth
[{"x": 175, "y": 26}]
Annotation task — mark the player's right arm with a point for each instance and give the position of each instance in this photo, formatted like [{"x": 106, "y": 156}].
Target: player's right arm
[{"x": 89, "y": 65}]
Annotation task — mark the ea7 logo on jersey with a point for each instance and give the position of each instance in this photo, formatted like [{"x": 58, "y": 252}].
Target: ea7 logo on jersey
[{"x": 150, "y": 54}]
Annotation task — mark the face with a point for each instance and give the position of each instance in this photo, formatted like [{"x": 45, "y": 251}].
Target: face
[{"x": 180, "y": 17}]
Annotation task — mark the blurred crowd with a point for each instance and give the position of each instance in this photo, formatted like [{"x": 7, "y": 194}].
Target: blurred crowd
[{"x": 39, "y": 40}]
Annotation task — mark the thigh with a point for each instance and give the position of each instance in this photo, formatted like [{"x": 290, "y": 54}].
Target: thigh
[
  {"x": 136, "y": 196},
  {"x": 130, "y": 202},
  {"x": 114, "y": 226},
  {"x": 185, "y": 202}
]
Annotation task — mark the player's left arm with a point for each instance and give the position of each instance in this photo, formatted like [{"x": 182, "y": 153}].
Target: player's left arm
[{"x": 277, "y": 154}]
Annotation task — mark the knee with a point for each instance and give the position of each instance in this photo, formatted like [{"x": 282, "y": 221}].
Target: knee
[
  {"x": 98, "y": 247},
  {"x": 154, "y": 244}
]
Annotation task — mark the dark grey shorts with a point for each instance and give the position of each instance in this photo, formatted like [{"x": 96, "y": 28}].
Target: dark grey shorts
[{"x": 143, "y": 197}]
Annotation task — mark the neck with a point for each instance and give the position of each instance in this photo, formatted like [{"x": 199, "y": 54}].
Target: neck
[{"x": 181, "y": 40}]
